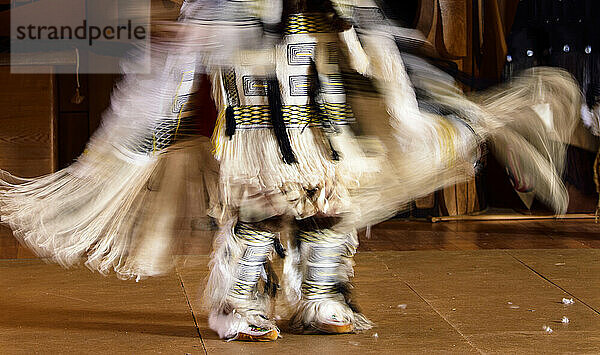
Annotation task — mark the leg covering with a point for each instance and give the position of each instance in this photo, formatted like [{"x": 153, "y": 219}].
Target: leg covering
[
  {"x": 239, "y": 307},
  {"x": 318, "y": 272}
]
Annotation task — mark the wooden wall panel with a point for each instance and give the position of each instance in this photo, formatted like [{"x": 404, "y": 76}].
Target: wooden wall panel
[
  {"x": 73, "y": 128},
  {"x": 77, "y": 121},
  {"x": 100, "y": 90},
  {"x": 454, "y": 27},
  {"x": 73, "y": 121},
  {"x": 27, "y": 123}
]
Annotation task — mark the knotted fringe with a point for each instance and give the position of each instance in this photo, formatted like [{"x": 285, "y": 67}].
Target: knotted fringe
[{"x": 254, "y": 175}]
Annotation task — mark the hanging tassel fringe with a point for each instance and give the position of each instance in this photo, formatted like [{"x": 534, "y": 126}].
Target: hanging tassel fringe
[{"x": 283, "y": 140}]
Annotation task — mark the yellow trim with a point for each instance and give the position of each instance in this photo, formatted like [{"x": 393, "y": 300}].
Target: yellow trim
[
  {"x": 179, "y": 119},
  {"x": 446, "y": 137},
  {"x": 217, "y": 135},
  {"x": 153, "y": 144}
]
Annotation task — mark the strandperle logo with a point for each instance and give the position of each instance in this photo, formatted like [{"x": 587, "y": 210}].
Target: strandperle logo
[
  {"x": 85, "y": 31},
  {"x": 80, "y": 36}
]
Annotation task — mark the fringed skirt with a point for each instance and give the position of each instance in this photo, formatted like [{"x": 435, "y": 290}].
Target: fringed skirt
[{"x": 256, "y": 183}]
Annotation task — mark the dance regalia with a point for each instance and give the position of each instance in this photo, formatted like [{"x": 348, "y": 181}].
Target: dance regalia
[
  {"x": 280, "y": 155},
  {"x": 291, "y": 144}
]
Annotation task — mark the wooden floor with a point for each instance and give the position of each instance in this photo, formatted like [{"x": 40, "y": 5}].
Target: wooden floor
[{"x": 456, "y": 287}]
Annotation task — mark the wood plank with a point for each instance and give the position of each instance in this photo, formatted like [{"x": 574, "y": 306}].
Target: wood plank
[
  {"x": 576, "y": 271},
  {"x": 497, "y": 303},
  {"x": 46, "y": 309},
  {"x": 452, "y": 301},
  {"x": 414, "y": 329}
]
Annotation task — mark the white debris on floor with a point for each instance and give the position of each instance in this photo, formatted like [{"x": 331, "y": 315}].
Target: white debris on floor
[
  {"x": 565, "y": 320},
  {"x": 567, "y": 301},
  {"x": 547, "y": 329},
  {"x": 375, "y": 335},
  {"x": 515, "y": 307},
  {"x": 402, "y": 306}
]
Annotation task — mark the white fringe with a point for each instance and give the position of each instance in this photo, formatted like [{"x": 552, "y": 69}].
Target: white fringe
[
  {"x": 527, "y": 143},
  {"x": 359, "y": 60},
  {"x": 119, "y": 212},
  {"x": 84, "y": 209},
  {"x": 227, "y": 326},
  {"x": 252, "y": 165},
  {"x": 292, "y": 274},
  {"x": 426, "y": 152},
  {"x": 223, "y": 263}
]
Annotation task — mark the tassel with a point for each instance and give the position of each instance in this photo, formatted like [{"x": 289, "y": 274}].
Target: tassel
[
  {"x": 277, "y": 121},
  {"x": 328, "y": 125},
  {"x": 279, "y": 248},
  {"x": 335, "y": 156},
  {"x": 229, "y": 122},
  {"x": 272, "y": 282}
]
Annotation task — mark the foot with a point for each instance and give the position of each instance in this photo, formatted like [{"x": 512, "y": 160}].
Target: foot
[
  {"x": 235, "y": 326},
  {"x": 333, "y": 325},
  {"x": 328, "y": 316},
  {"x": 255, "y": 333}
]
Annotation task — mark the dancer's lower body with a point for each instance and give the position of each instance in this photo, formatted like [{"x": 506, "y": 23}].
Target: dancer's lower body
[{"x": 318, "y": 268}]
